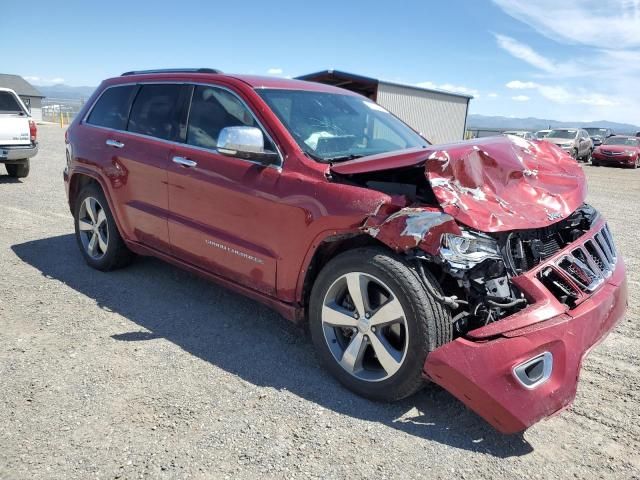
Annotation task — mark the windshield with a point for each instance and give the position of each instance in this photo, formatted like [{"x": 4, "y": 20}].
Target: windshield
[
  {"x": 562, "y": 134},
  {"x": 631, "y": 141},
  {"x": 331, "y": 127},
  {"x": 596, "y": 131}
]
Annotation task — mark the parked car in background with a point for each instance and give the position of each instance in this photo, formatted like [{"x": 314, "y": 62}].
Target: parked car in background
[
  {"x": 405, "y": 260},
  {"x": 575, "y": 141},
  {"x": 540, "y": 134},
  {"x": 598, "y": 135},
  {"x": 618, "y": 150},
  {"x": 520, "y": 133},
  {"x": 18, "y": 134}
]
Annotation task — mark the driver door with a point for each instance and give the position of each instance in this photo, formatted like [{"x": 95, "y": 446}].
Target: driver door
[{"x": 224, "y": 211}]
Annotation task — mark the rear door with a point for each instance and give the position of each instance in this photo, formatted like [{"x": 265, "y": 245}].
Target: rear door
[
  {"x": 139, "y": 122},
  {"x": 225, "y": 211},
  {"x": 14, "y": 121}
]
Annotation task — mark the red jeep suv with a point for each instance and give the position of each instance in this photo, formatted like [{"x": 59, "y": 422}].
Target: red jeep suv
[{"x": 475, "y": 265}]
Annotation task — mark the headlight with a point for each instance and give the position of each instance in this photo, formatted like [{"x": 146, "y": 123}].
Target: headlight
[
  {"x": 631, "y": 153},
  {"x": 468, "y": 250}
]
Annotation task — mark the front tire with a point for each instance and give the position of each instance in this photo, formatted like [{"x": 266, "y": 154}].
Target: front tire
[
  {"x": 373, "y": 323},
  {"x": 18, "y": 170},
  {"x": 97, "y": 233}
]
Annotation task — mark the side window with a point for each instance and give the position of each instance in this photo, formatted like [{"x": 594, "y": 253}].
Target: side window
[
  {"x": 213, "y": 109},
  {"x": 157, "y": 111},
  {"x": 9, "y": 104},
  {"x": 112, "y": 108}
]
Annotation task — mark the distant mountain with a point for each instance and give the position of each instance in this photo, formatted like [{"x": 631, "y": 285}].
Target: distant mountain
[
  {"x": 66, "y": 92},
  {"x": 507, "y": 123}
]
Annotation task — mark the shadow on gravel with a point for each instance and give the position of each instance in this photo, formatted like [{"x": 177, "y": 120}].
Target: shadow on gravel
[
  {"x": 9, "y": 179},
  {"x": 249, "y": 340}
]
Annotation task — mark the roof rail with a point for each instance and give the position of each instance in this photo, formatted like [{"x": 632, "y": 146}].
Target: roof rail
[{"x": 172, "y": 70}]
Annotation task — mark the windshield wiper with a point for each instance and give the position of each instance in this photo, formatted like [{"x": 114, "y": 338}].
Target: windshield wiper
[{"x": 343, "y": 158}]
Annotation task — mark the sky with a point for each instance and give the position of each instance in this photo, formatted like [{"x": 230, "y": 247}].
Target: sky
[{"x": 566, "y": 60}]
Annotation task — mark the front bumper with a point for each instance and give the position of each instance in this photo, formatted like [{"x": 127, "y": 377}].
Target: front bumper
[
  {"x": 615, "y": 159},
  {"x": 480, "y": 372},
  {"x": 12, "y": 153}
]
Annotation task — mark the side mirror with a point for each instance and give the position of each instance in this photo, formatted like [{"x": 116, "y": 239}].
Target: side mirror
[{"x": 246, "y": 143}]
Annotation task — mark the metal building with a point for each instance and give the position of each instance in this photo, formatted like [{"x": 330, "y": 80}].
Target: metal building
[
  {"x": 440, "y": 117},
  {"x": 30, "y": 96}
]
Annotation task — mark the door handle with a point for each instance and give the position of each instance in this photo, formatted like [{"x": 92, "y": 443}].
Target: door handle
[
  {"x": 114, "y": 143},
  {"x": 185, "y": 162}
]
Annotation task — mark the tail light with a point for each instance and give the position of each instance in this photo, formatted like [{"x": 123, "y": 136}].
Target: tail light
[{"x": 33, "y": 131}]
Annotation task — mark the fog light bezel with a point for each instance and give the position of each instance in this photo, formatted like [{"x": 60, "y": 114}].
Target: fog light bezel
[{"x": 519, "y": 371}]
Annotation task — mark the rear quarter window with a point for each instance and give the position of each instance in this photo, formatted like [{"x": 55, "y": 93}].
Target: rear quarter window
[
  {"x": 9, "y": 104},
  {"x": 112, "y": 108}
]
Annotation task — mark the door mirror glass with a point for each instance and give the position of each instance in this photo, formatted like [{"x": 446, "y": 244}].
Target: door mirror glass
[{"x": 247, "y": 143}]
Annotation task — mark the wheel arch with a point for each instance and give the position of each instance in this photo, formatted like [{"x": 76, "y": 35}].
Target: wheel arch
[
  {"x": 81, "y": 179},
  {"x": 328, "y": 248}
]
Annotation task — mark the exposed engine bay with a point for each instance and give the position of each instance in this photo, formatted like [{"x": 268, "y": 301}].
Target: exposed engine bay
[
  {"x": 470, "y": 224},
  {"x": 478, "y": 267}
]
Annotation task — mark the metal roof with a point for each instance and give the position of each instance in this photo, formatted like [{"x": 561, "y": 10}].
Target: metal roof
[
  {"x": 19, "y": 85},
  {"x": 362, "y": 78}
]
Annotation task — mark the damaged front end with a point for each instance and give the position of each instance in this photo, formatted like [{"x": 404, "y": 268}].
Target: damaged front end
[
  {"x": 475, "y": 216},
  {"x": 528, "y": 271},
  {"x": 469, "y": 265}
]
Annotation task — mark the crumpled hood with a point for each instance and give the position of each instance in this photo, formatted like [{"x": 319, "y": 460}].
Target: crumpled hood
[{"x": 493, "y": 184}]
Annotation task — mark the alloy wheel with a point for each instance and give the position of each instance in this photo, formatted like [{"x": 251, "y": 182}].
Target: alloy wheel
[
  {"x": 93, "y": 227},
  {"x": 365, "y": 326}
]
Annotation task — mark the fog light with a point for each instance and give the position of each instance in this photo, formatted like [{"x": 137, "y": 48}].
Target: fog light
[{"x": 535, "y": 371}]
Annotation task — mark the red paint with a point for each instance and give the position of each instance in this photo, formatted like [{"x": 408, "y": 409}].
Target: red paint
[
  {"x": 493, "y": 184},
  {"x": 480, "y": 374},
  {"x": 616, "y": 155},
  {"x": 255, "y": 229}
]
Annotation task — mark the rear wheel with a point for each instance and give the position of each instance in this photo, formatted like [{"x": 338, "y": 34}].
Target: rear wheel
[
  {"x": 96, "y": 232},
  {"x": 373, "y": 323},
  {"x": 18, "y": 170}
]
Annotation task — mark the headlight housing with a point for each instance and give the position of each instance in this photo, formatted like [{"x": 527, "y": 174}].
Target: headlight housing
[{"x": 468, "y": 250}]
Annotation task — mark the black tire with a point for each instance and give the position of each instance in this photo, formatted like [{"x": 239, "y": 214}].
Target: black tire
[
  {"x": 594, "y": 163},
  {"x": 18, "y": 170},
  {"x": 428, "y": 322},
  {"x": 117, "y": 255}
]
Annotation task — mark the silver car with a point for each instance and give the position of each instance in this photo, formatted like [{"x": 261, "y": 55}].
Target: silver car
[
  {"x": 575, "y": 141},
  {"x": 520, "y": 133}
]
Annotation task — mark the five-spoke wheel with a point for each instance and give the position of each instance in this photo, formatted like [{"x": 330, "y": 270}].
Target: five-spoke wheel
[
  {"x": 373, "y": 322},
  {"x": 364, "y": 326},
  {"x": 94, "y": 230}
]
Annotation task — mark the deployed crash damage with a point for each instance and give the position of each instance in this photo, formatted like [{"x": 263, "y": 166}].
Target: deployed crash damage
[
  {"x": 471, "y": 214},
  {"x": 521, "y": 262}
]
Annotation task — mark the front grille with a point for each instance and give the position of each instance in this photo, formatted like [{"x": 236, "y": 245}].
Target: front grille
[
  {"x": 611, "y": 153},
  {"x": 579, "y": 272},
  {"x": 525, "y": 249}
]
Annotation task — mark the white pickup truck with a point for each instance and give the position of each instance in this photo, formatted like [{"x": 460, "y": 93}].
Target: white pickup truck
[{"x": 18, "y": 134}]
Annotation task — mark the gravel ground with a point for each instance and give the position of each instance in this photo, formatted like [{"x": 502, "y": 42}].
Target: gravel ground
[{"x": 150, "y": 372}]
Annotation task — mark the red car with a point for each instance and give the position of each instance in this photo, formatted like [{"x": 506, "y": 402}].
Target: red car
[
  {"x": 618, "y": 150},
  {"x": 475, "y": 265}
]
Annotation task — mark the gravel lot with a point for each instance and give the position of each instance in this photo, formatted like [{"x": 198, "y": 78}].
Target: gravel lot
[{"x": 149, "y": 372}]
